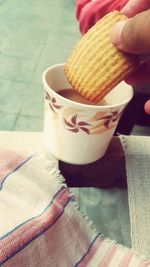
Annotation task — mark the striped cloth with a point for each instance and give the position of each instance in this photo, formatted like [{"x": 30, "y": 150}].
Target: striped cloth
[{"x": 40, "y": 223}]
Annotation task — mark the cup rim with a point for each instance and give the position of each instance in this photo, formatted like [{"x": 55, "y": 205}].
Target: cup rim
[{"x": 81, "y": 104}]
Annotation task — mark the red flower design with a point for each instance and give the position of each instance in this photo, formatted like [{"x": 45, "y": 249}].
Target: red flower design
[
  {"x": 52, "y": 102},
  {"x": 113, "y": 117},
  {"x": 74, "y": 126}
]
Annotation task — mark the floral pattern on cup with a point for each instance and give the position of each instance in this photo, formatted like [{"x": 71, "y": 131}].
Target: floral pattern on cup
[
  {"x": 76, "y": 120},
  {"x": 52, "y": 102},
  {"x": 75, "y": 125},
  {"x": 99, "y": 123},
  {"x": 105, "y": 121}
]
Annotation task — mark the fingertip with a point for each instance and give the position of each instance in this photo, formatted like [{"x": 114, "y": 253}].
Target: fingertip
[
  {"x": 134, "y": 7},
  {"x": 147, "y": 107},
  {"x": 128, "y": 11}
]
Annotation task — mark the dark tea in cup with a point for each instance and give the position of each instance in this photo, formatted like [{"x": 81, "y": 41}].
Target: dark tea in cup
[{"x": 71, "y": 94}]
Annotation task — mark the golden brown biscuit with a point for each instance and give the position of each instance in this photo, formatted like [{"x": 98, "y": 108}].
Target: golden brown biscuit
[{"x": 96, "y": 66}]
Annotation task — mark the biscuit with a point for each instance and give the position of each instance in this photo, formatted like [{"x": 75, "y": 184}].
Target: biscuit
[{"x": 95, "y": 65}]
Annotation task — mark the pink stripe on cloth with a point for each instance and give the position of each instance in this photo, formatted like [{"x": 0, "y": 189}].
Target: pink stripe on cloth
[
  {"x": 126, "y": 259},
  {"x": 93, "y": 248},
  {"x": 54, "y": 233},
  {"x": 108, "y": 256},
  {"x": 9, "y": 161},
  {"x": 23, "y": 234},
  {"x": 144, "y": 264},
  {"x": 60, "y": 246}
]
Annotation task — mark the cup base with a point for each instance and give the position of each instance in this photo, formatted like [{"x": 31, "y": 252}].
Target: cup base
[{"x": 74, "y": 162}]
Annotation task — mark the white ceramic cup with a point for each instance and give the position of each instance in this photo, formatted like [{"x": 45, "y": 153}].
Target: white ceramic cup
[{"x": 78, "y": 133}]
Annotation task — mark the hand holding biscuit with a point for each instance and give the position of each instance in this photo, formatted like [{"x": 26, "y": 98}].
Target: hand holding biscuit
[
  {"x": 95, "y": 66},
  {"x": 132, "y": 36}
]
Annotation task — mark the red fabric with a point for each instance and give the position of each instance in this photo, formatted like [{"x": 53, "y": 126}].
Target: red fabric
[{"x": 88, "y": 12}]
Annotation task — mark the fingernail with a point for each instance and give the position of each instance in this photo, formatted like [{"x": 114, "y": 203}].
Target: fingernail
[{"x": 116, "y": 31}]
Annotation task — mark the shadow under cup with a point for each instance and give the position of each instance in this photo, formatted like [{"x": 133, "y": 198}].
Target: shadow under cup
[{"x": 78, "y": 133}]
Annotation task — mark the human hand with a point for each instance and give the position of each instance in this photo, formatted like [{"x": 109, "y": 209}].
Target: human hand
[
  {"x": 133, "y": 36},
  {"x": 134, "y": 7}
]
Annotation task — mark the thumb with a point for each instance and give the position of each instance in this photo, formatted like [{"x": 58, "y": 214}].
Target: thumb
[{"x": 133, "y": 35}]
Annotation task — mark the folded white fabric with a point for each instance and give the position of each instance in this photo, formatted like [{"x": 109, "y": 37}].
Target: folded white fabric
[
  {"x": 40, "y": 224},
  {"x": 138, "y": 177}
]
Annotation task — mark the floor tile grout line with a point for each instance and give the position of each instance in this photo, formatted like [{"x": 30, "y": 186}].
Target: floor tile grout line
[
  {"x": 15, "y": 57},
  {"x": 34, "y": 69},
  {"x": 18, "y": 113},
  {"x": 22, "y": 82},
  {"x": 15, "y": 122},
  {"x": 44, "y": 45}
]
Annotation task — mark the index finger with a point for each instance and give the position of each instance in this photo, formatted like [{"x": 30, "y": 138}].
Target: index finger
[{"x": 134, "y": 7}]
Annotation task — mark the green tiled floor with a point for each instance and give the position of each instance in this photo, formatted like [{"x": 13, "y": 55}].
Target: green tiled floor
[{"x": 34, "y": 34}]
